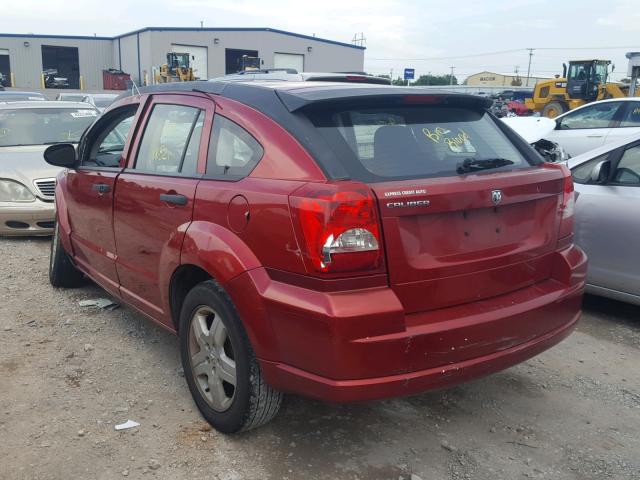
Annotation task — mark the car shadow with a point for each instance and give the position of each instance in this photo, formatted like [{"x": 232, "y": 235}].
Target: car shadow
[{"x": 612, "y": 310}]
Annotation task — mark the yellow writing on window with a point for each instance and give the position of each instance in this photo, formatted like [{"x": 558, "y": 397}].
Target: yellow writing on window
[{"x": 453, "y": 142}]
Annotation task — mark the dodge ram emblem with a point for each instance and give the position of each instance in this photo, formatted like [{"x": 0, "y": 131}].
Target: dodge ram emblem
[{"x": 496, "y": 196}]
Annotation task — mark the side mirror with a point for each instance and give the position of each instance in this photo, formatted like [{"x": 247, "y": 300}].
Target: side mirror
[
  {"x": 600, "y": 172},
  {"x": 61, "y": 155}
]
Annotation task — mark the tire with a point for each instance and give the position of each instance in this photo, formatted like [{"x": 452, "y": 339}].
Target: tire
[
  {"x": 62, "y": 272},
  {"x": 553, "y": 109},
  {"x": 215, "y": 351}
]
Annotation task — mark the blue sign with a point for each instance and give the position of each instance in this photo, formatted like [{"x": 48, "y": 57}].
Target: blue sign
[{"x": 409, "y": 73}]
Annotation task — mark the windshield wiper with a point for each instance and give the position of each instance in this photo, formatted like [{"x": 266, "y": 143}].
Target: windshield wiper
[{"x": 474, "y": 165}]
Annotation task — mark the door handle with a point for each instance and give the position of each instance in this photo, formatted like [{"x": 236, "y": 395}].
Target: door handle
[
  {"x": 101, "y": 188},
  {"x": 595, "y": 136},
  {"x": 175, "y": 199}
]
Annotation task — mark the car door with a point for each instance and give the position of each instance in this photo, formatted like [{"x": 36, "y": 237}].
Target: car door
[
  {"x": 585, "y": 128},
  {"x": 102, "y": 155},
  {"x": 607, "y": 224},
  {"x": 154, "y": 198},
  {"x": 629, "y": 123}
]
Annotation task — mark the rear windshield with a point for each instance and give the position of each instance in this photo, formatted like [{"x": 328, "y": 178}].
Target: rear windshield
[
  {"x": 40, "y": 126},
  {"x": 416, "y": 141}
]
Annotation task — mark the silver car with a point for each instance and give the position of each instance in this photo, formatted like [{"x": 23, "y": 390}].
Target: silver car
[
  {"x": 607, "y": 217},
  {"x": 27, "y": 182}
]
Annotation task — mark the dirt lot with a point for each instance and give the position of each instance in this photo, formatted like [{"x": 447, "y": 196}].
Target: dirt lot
[{"x": 68, "y": 374}]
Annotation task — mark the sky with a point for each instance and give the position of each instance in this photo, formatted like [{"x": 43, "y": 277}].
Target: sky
[{"x": 430, "y": 36}]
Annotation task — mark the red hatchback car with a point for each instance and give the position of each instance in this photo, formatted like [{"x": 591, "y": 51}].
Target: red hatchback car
[{"x": 343, "y": 242}]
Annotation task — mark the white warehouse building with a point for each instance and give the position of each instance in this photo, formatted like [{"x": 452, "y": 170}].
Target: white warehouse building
[{"x": 213, "y": 51}]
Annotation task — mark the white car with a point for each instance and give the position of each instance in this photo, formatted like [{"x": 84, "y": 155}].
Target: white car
[
  {"x": 535, "y": 131},
  {"x": 596, "y": 124}
]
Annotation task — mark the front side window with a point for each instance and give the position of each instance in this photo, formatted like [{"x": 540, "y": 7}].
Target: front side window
[
  {"x": 233, "y": 151},
  {"x": 628, "y": 170},
  {"x": 582, "y": 173},
  {"x": 632, "y": 117},
  {"x": 44, "y": 126},
  {"x": 417, "y": 141},
  {"x": 108, "y": 144},
  {"x": 578, "y": 71},
  {"x": 593, "y": 116},
  {"x": 171, "y": 140}
]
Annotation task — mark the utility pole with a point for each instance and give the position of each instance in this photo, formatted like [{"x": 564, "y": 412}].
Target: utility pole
[
  {"x": 529, "y": 68},
  {"x": 451, "y": 76},
  {"x": 359, "y": 39}
]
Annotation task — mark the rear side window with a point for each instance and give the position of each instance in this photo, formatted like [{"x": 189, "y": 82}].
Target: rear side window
[
  {"x": 412, "y": 142},
  {"x": 233, "y": 152}
]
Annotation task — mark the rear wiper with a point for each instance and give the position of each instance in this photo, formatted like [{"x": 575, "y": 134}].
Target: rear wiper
[{"x": 473, "y": 165}]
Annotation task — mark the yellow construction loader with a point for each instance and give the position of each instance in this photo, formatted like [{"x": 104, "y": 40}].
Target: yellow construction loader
[
  {"x": 177, "y": 69},
  {"x": 583, "y": 82}
]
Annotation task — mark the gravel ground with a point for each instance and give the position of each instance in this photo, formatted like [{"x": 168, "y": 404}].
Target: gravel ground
[{"x": 68, "y": 374}]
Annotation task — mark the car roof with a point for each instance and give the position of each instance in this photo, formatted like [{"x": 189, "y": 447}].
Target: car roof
[
  {"x": 297, "y": 95},
  {"x": 596, "y": 152},
  {"x": 46, "y": 104}
]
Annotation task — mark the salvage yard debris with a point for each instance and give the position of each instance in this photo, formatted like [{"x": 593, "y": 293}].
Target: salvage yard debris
[
  {"x": 126, "y": 425},
  {"x": 104, "y": 303}
]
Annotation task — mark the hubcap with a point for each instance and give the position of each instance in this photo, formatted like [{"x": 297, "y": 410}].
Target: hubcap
[{"x": 212, "y": 358}]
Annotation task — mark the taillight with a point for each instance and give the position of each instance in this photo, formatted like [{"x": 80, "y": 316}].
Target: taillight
[
  {"x": 567, "y": 208},
  {"x": 339, "y": 227},
  {"x": 567, "y": 205}
]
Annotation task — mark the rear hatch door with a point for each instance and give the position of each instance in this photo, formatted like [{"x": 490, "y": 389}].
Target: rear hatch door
[{"x": 468, "y": 209}]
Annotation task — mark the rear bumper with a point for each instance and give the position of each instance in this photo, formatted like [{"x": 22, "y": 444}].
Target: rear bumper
[
  {"x": 359, "y": 345},
  {"x": 33, "y": 218},
  {"x": 295, "y": 380}
]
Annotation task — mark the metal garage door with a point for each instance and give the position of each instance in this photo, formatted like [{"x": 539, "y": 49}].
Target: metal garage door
[
  {"x": 288, "y": 60},
  {"x": 5, "y": 68},
  {"x": 198, "y": 59}
]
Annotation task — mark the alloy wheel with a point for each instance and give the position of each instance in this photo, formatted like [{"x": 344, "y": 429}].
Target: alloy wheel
[{"x": 212, "y": 358}]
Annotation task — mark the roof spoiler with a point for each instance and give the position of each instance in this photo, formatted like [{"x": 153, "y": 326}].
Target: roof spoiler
[{"x": 295, "y": 100}]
